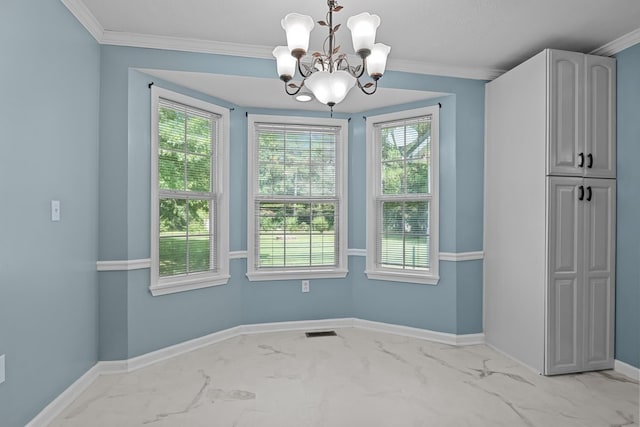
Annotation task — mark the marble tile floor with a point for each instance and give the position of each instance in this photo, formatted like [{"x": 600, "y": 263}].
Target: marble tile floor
[{"x": 358, "y": 378}]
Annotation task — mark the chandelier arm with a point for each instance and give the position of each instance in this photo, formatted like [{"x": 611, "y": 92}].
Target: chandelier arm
[
  {"x": 364, "y": 90},
  {"x": 341, "y": 59},
  {"x": 317, "y": 60},
  {"x": 351, "y": 70},
  {"x": 303, "y": 73},
  {"x": 362, "y": 69},
  {"x": 286, "y": 88}
]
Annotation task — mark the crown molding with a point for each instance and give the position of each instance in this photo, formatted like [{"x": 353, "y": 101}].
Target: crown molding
[
  {"x": 619, "y": 44},
  {"x": 264, "y": 52},
  {"x": 119, "y": 38},
  {"x": 150, "y": 41},
  {"x": 419, "y": 67},
  {"x": 86, "y": 18}
]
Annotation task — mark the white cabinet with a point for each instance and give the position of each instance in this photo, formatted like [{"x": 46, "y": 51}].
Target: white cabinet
[
  {"x": 550, "y": 212},
  {"x": 581, "y": 221},
  {"x": 581, "y": 91}
]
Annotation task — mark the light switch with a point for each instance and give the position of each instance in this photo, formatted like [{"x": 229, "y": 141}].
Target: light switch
[
  {"x": 55, "y": 210},
  {"x": 2, "y": 369}
]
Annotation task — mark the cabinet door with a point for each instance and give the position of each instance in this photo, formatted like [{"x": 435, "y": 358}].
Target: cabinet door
[
  {"x": 564, "y": 344},
  {"x": 600, "y": 149},
  {"x": 599, "y": 268},
  {"x": 566, "y": 113}
]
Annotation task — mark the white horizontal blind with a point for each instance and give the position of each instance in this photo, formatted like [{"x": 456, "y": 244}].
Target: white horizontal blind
[
  {"x": 187, "y": 191},
  {"x": 296, "y": 201},
  {"x": 403, "y": 199}
]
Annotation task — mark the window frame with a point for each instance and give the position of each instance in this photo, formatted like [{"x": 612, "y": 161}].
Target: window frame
[
  {"x": 374, "y": 193},
  {"x": 159, "y": 285},
  {"x": 341, "y": 162}
]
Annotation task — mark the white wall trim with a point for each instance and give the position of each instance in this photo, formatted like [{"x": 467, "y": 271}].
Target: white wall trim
[
  {"x": 86, "y": 18},
  {"x": 619, "y": 44},
  {"x": 138, "y": 264},
  {"x": 162, "y": 354},
  {"x": 461, "y": 256},
  {"x": 356, "y": 252},
  {"x": 237, "y": 254},
  {"x": 304, "y": 325},
  {"x": 125, "y": 265},
  {"x": 425, "y": 334},
  {"x": 626, "y": 369},
  {"x": 60, "y": 403}
]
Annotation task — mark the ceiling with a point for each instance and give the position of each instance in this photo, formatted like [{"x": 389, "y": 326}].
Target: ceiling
[{"x": 465, "y": 38}]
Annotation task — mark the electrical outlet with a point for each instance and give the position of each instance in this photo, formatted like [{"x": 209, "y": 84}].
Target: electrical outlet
[
  {"x": 55, "y": 210},
  {"x": 2, "y": 369},
  {"x": 305, "y": 286}
]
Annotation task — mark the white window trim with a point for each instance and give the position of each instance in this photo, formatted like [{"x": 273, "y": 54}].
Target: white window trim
[
  {"x": 342, "y": 150},
  {"x": 373, "y": 190},
  {"x": 162, "y": 286}
]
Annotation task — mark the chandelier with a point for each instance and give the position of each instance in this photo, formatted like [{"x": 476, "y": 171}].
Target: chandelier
[{"x": 329, "y": 76}]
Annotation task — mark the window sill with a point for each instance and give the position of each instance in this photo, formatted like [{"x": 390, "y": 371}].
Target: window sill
[
  {"x": 182, "y": 285},
  {"x": 256, "y": 276},
  {"x": 421, "y": 279}
]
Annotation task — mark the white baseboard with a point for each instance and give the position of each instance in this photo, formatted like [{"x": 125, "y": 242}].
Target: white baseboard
[
  {"x": 60, "y": 403},
  {"x": 181, "y": 348},
  {"x": 626, "y": 369},
  {"x": 55, "y": 408},
  {"x": 425, "y": 334},
  {"x": 303, "y": 325}
]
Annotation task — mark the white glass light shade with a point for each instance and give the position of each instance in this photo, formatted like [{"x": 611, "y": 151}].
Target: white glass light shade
[
  {"x": 304, "y": 97},
  {"x": 298, "y": 27},
  {"x": 363, "y": 31},
  {"x": 330, "y": 88},
  {"x": 285, "y": 63},
  {"x": 377, "y": 61}
]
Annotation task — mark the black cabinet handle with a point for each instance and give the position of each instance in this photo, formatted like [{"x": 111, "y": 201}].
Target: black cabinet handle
[
  {"x": 581, "y": 160},
  {"x": 581, "y": 196},
  {"x": 589, "y": 194},
  {"x": 590, "y": 164}
]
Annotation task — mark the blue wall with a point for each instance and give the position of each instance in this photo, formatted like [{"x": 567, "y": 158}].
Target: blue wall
[
  {"x": 64, "y": 93},
  {"x": 133, "y": 322},
  {"x": 49, "y": 86},
  {"x": 628, "y": 208}
]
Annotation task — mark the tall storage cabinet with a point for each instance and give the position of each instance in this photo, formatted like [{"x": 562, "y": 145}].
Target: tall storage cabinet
[{"x": 550, "y": 212}]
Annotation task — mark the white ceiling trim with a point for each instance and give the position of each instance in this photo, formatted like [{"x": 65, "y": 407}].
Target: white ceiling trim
[
  {"x": 619, "y": 44},
  {"x": 443, "y": 70},
  {"x": 86, "y": 18},
  {"x": 117, "y": 38},
  {"x": 264, "y": 52},
  {"x": 102, "y": 36},
  {"x": 185, "y": 44}
]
